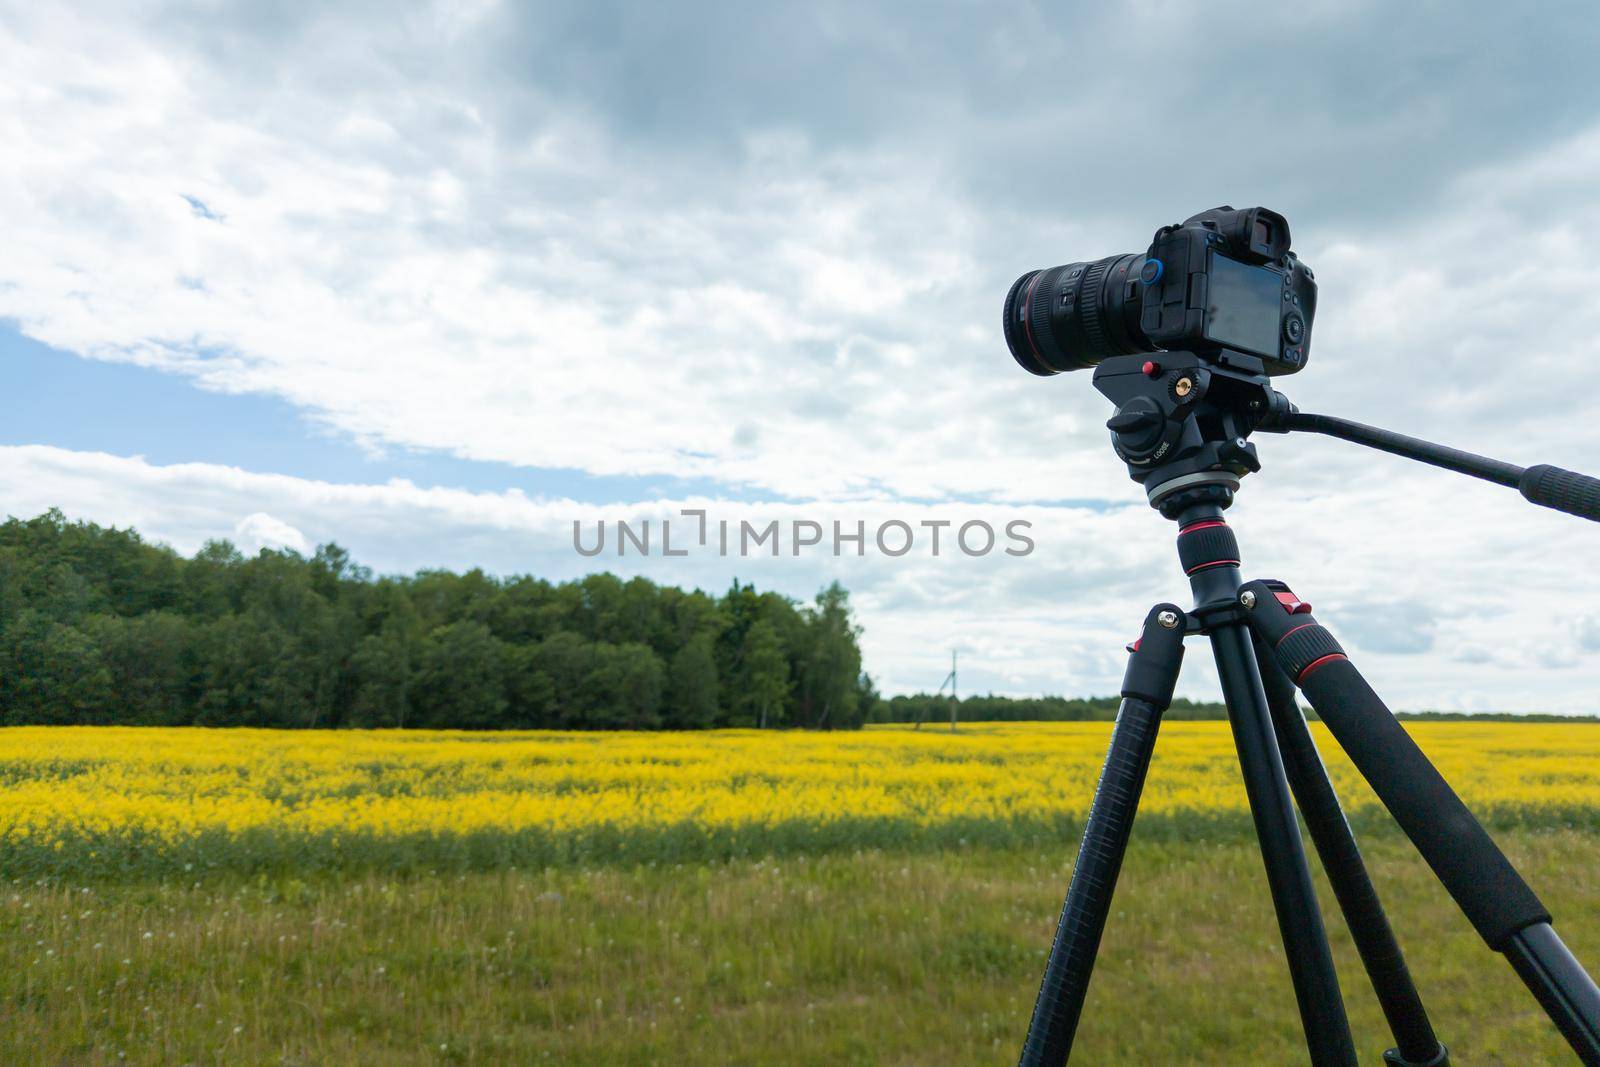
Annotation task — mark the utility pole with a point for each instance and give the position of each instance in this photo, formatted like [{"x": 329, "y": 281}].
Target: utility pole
[{"x": 950, "y": 680}]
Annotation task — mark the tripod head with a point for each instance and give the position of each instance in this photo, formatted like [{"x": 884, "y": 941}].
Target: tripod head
[{"x": 1183, "y": 424}]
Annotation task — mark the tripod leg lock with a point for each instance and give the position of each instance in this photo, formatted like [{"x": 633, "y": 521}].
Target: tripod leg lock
[
  {"x": 1152, "y": 672},
  {"x": 1298, "y": 642}
]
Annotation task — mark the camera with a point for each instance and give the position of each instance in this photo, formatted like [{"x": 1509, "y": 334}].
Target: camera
[{"x": 1222, "y": 284}]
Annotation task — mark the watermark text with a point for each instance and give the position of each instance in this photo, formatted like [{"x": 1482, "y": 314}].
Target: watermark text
[{"x": 693, "y": 531}]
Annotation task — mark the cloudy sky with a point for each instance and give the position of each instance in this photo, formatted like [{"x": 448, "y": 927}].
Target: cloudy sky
[{"x": 435, "y": 282}]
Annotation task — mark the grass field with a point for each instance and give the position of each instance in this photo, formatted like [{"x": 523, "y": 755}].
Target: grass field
[{"x": 883, "y": 898}]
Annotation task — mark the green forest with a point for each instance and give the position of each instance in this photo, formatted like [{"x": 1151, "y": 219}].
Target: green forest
[{"x": 99, "y": 626}]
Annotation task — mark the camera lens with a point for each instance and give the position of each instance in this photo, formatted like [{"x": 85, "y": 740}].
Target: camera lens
[{"x": 1072, "y": 316}]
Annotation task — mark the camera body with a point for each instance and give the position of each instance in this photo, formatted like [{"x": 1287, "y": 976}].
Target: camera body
[
  {"x": 1226, "y": 279},
  {"x": 1222, "y": 284}
]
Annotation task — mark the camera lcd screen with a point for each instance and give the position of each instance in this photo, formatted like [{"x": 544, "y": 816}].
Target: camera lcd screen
[{"x": 1243, "y": 306}]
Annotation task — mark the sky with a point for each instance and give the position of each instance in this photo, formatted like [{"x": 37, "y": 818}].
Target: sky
[{"x": 439, "y": 282}]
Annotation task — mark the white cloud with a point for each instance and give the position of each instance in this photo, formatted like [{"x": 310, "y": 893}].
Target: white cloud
[
  {"x": 259, "y": 530},
  {"x": 415, "y": 272}
]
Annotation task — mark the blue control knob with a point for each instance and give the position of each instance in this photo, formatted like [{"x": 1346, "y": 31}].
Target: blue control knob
[{"x": 1150, "y": 273}]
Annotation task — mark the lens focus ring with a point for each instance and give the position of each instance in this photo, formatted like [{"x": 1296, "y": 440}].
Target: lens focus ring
[
  {"x": 1090, "y": 314},
  {"x": 1041, "y": 310}
]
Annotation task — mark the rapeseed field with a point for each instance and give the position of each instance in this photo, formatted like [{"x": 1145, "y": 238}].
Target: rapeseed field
[{"x": 81, "y": 800}]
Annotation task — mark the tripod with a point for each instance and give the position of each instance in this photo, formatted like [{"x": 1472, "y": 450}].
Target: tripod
[{"x": 1182, "y": 427}]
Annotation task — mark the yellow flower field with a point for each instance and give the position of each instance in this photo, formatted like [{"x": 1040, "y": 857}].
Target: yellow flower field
[{"x": 104, "y": 798}]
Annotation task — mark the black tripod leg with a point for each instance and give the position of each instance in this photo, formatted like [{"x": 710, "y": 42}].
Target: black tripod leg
[
  {"x": 1305, "y": 940},
  {"x": 1363, "y": 912},
  {"x": 1499, "y": 904},
  {"x": 1146, "y": 691},
  {"x": 1210, "y": 557}
]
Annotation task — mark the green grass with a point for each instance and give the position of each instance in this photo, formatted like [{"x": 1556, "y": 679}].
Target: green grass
[{"x": 847, "y": 958}]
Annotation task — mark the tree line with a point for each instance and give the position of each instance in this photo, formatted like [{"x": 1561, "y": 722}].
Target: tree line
[
  {"x": 933, "y": 708},
  {"x": 99, "y": 626}
]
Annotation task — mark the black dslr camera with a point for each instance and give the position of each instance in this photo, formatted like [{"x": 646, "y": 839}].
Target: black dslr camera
[{"x": 1223, "y": 285}]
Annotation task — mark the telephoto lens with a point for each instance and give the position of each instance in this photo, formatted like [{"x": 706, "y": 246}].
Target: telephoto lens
[{"x": 1073, "y": 316}]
